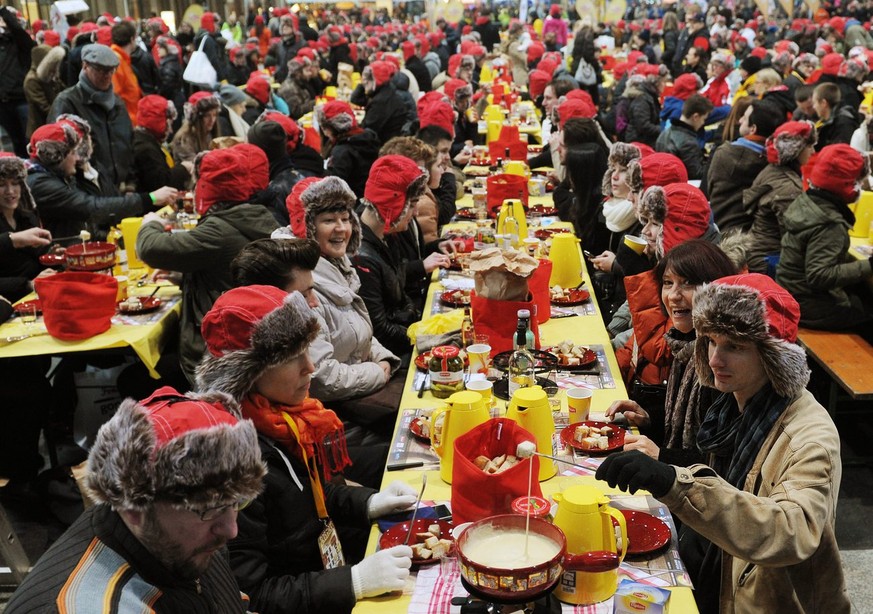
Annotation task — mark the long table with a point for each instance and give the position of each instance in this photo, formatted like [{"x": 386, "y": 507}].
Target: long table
[{"x": 585, "y": 329}]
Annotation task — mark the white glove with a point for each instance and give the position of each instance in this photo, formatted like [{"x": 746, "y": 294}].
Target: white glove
[
  {"x": 382, "y": 572},
  {"x": 396, "y": 498}
]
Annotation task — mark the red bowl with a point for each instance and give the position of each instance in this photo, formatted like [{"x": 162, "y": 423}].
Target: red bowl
[{"x": 91, "y": 256}]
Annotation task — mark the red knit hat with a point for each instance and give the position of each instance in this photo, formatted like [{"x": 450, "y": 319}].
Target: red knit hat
[
  {"x": 291, "y": 128},
  {"x": 686, "y": 85},
  {"x": 104, "y": 35},
  {"x": 337, "y": 115},
  {"x": 152, "y": 113},
  {"x": 438, "y": 114},
  {"x": 535, "y": 51},
  {"x": 258, "y": 88},
  {"x": 231, "y": 175},
  {"x": 575, "y": 108},
  {"x": 77, "y": 305},
  {"x": 537, "y": 82},
  {"x": 580, "y": 95},
  {"x": 838, "y": 169},
  {"x": 395, "y": 182},
  {"x": 51, "y": 38},
  {"x": 789, "y": 140}
]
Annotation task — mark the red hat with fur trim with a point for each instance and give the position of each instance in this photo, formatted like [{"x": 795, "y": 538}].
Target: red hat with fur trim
[
  {"x": 231, "y": 175},
  {"x": 789, "y": 140},
  {"x": 430, "y": 98},
  {"x": 258, "y": 88},
  {"x": 438, "y": 114},
  {"x": 537, "y": 82},
  {"x": 337, "y": 115},
  {"x": 681, "y": 208},
  {"x": 50, "y": 143},
  {"x": 839, "y": 169},
  {"x": 381, "y": 71},
  {"x": 289, "y": 126},
  {"x": 152, "y": 113},
  {"x": 657, "y": 169},
  {"x": 535, "y": 51},
  {"x": 686, "y": 85},
  {"x": 457, "y": 88},
  {"x": 575, "y": 108},
  {"x": 408, "y": 48},
  {"x": 830, "y": 64},
  {"x": 51, "y": 38},
  {"x": 394, "y": 184}
]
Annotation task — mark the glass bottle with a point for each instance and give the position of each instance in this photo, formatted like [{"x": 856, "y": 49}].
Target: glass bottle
[
  {"x": 510, "y": 227},
  {"x": 506, "y": 160},
  {"x": 521, "y": 362},
  {"x": 530, "y": 341},
  {"x": 468, "y": 336}
]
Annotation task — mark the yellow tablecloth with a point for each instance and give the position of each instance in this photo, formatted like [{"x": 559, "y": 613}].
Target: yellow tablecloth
[
  {"x": 147, "y": 340},
  {"x": 581, "y": 329}
]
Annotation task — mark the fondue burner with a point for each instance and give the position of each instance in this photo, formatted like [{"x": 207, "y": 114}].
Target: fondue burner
[{"x": 479, "y": 603}]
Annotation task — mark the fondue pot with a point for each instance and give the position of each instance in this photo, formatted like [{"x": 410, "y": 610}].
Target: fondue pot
[
  {"x": 90, "y": 256},
  {"x": 510, "y": 584}
]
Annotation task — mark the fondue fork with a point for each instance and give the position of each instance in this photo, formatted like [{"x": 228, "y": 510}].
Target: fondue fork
[
  {"x": 415, "y": 511},
  {"x": 528, "y": 448}
]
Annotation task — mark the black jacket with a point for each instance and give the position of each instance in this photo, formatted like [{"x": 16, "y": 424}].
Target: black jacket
[
  {"x": 382, "y": 281},
  {"x": 283, "y": 178},
  {"x": 386, "y": 114},
  {"x": 680, "y": 139},
  {"x": 307, "y": 161},
  {"x": 146, "y": 71},
  {"x": 18, "y": 266},
  {"x": 420, "y": 72},
  {"x": 154, "y": 171},
  {"x": 490, "y": 34},
  {"x": 643, "y": 115},
  {"x": 352, "y": 158},
  {"x": 15, "y": 46},
  {"x": 275, "y": 556},
  {"x": 338, "y": 54},
  {"x": 280, "y": 53},
  {"x": 171, "y": 85},
  {"x": 838, "y": 128},
  {"x": 732, "y": 169},
  {"x": 111, "y": 132}
]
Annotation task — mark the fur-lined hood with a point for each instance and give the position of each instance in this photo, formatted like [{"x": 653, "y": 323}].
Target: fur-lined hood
[
  {"x": 739, "y": 313},
  {"x": 205, "y": 467},
  {"x": 48, "y": 68}
]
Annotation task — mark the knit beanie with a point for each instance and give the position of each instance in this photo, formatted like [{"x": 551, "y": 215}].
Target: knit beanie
[
  {"x": 199, "y": 103},
  {"x": 13, "y": 167},
  {"x": 231, "y": 175},
  {"x": 686, "y": 85},
  {"x": 751, "y": 64},
  {"x": 258, "y": 87},
  {"x": 839, "y": 169},
  {"x": 189, "y": 450},
  {"x": 752, "y": 308},
  {"x": 659, "y": 169},
  {"x": 537, "y": 82},
  {"x": 438, "y": 114},
  {"x": 394, "y": 184},
  {"x": 337, "y": 115},
  {"x": 152, "y": 113},
  {"x": 51, "y": 143},
  {"x": 681, "y": 208},
  {"x": 247, "y": 331},
  {"x": 789, "y": 140},
  {"x": 313, "y": 195},
  {"x": 290, "y": 127}
]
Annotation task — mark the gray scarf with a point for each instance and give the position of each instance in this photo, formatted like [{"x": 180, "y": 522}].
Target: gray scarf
[{"x": 104, "y": 100}]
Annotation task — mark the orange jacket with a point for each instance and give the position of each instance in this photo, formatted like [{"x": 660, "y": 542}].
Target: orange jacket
[
  {"x": 646, "y": 354},
  {"x": 125, "y": 83}
]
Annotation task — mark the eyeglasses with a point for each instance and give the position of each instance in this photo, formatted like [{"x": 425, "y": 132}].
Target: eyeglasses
[
  {"x": 106, "y": 70},
  {"x": 213, "y": 513}
]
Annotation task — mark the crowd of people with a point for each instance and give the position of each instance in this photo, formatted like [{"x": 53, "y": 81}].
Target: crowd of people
[{"x": 732, "y": 143}]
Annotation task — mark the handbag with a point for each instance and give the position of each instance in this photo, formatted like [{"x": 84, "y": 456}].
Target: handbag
[
  {"x": 585, "y": 73},
  {"x": 200, "y": 70}
]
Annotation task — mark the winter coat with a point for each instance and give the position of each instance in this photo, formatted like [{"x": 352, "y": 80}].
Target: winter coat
[
  {"x": 382, "y": 280},
  {"x": 18, "y": 266},
  {"x": 280, "y": 54},
  {"x": 420, "y": 72},
  {"x": 717, "y": 90},
  {"x": 188, "y": 142},
  {"x": 154, "y": 168},
  {"x": 65, "y": 209},
  {"x": 111, "y": 132},
  {"x": 838, "y": 128},
  {"x": 42, "y": 84},
  {"x": 815, "y": 265},
  {"x": 346, "y": 352},
  {"x": 125, "y": 84},
  {"x": 351, "y": 159},
  {"x": 680, "y": 139},
  {"x": 307, "y": 161},
  {"x": 99, "y": 561},
  {"x": 339, "y": 54},
  {"x": 732, "y": 169},
  {"x": 781, "y": 98},
  {"x": 643, "y": 113},
  {"x": 517, "y": 51},
  {"x": 385, "y": 114},
  {"x": 147, "y": 74},
  {"x": 15, "y": 49},
  {"x": 275, "y": 556},
  {"x": 171, "y": 86},
  {"x": 489, "y": 32},
  {"x": 300, "y": 101},
  {"x": 646, "y": 355},
  {"x": 427, "y": 215},
  {"x": 203, "y": 256},
  {"x": 283, "y": 178},
  {"x": 773, "y": 190},
  {"x": 780, "y": 553},
  {"x": 559, "y": 27}
]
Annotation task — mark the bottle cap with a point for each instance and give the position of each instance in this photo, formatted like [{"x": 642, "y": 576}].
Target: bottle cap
[{"x": 524, "y": 313}]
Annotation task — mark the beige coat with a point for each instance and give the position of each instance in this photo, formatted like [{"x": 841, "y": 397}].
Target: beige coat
[
  {"x": 427, "y": 215},
  {"x": 777, "y": 534}
]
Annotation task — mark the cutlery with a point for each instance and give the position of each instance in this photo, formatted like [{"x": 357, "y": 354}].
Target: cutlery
[
  {"x": 412, "y": 465},
  {"x": 14, "y": 338},
  {"x": 423, "y": 387},
  {"x": 415, "y": 511}
]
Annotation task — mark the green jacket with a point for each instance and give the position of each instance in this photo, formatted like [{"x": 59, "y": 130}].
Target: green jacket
[
  {"x": 203, "y": 256},
  {"x": 815, "y": 265}
]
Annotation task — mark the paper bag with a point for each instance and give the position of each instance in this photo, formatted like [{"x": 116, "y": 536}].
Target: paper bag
[{"x": 502, "y": 274}]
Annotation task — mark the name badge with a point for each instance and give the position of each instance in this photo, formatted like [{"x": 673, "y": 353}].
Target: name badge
[{"x": 330, "y": 548}]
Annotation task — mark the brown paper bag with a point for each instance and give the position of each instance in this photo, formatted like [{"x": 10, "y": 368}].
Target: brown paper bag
[{"x": 502, "y": 275}]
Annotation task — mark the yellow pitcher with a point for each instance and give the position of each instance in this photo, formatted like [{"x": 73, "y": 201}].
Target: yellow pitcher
[
  {"x": 585, "y": 517},
  {"x": 517, "y": 208},
  {"x": 530, "y": 408},
  {"x": 566, "y": 260},
  {"x": 863, "y": 210},
  {"x": 463, "y": 411}
]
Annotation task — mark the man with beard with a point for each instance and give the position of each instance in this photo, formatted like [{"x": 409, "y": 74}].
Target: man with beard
[{"x": 169, "y": 475}]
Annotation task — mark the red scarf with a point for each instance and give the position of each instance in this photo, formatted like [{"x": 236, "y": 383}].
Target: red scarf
[{"x": 321, "y": 432}]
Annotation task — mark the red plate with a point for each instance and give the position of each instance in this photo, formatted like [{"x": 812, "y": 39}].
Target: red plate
[
  {"x": 53, "y": 259},
  {"x": 576, "y": 296},
  {"x": 543, "y": 210},
  {"x": 148, "y": 303},
  {"x": 466, "y": 213},
  {"x": 26, "y": 306},
  {"x": 615, "y": 440},
  {"x": 645, "y": 533},
  {"x": 417, "y": 428},
  {"x": 397, "y": 534},
  {"x": 546, "y": 233},
  {"x": 588, "y": 358},
  {"x": 455, "y": 298}
]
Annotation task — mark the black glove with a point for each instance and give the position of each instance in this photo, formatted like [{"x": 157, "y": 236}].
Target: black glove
[{"x": 632, "y": 471}]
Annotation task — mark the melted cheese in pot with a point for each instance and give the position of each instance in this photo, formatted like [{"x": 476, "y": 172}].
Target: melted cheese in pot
[{"x": 505, "y": 548}]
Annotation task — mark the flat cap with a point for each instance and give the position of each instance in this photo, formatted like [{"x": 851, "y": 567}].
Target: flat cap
[{"x": 101, "y": 55}]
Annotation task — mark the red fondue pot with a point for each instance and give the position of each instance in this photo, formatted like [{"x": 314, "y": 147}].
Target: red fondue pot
[{"x": 91, "y": 256}]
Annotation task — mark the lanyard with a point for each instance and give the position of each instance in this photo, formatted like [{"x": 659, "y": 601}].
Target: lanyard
[{"x": 314, "y": 479}]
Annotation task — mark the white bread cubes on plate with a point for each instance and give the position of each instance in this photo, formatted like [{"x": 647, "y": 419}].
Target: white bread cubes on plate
[{"x": 593, "y": 437}]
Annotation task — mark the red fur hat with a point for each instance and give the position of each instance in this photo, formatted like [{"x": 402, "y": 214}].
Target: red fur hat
[{"x": 231, "y": 175}]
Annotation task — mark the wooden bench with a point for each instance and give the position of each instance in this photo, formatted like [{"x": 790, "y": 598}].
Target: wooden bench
[
  {"x": 14, "y": 564},
  {"x": 846, "y": 357}
]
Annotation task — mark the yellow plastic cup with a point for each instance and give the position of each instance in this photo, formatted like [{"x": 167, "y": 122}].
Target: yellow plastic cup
[
  {"x": 638, "y": 244},
  {"x": 578, "y": 404},
  {"x": 129, "y": 230}
]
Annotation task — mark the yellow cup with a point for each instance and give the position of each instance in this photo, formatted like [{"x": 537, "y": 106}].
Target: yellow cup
[
  {"x": 330, "y": 91},
  {"x": 638, "y": 244},
  {"x": 479, "y": 355},
  {"x": 129, "y": 229},
  {"x": 122, "y": 288},
  {"x": 484, "y": 388},
  {"x": 578, "y": 404}
]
